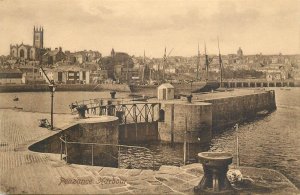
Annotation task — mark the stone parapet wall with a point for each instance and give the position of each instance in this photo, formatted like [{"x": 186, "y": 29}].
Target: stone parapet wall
[{"x": 228, "y": 111}]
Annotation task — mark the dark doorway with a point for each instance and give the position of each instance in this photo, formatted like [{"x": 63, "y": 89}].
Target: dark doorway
[
  {"x": 164, "y": 94},
  {"x": 60, "y": 76},
  {"x": 161, "y": 115}
]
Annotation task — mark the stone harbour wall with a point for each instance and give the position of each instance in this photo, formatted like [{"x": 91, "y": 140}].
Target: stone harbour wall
[
  {"x": 192, "y": 120},
  {"x": 64, "y": 87},
  {"x": 138, "y": 132},
  {"x": 228, "y": 111}
]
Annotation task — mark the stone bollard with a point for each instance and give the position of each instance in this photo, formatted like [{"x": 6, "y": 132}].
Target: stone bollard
[
  {"x": 120, "y": 115},
  {"x": 113, "y": 94},
  {"x": 81, "y": 110},
  {"x": 189, "y": 98},
  {"x": 215, "y": 166}
]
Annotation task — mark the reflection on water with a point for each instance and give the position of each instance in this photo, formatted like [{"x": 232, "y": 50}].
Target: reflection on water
[{"x": 271, "y": 142}]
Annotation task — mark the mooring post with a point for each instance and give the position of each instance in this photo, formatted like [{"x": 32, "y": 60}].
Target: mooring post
[{"x": 215, "y": 166}]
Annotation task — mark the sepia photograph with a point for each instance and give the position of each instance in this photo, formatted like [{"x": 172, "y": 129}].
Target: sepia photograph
[{"x": 150, "y": 97}]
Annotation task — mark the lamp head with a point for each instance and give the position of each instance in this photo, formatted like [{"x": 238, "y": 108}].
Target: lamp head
[{"x": 52, "y": 86}]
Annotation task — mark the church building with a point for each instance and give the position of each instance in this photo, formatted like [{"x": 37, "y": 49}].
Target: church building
[{"x": 28, "y": 52}]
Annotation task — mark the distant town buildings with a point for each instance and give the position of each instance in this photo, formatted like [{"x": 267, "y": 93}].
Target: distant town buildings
[
  {"x": 30, "y": 52},
  {"x": 10, "y": 76},
  {"x": 68, "y": 75},
  {"x": 88, "y": 66},
  {"x": 54, "y": 56}
]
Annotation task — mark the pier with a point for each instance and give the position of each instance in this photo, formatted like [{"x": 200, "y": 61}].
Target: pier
[
  {"x": 176, "y": 120},
  {"x": 26, "y": 171}
]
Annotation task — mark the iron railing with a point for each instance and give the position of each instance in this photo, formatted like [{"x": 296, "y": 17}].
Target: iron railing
[
  {"x": 124, "y": 151},
  {"x": 126, "y": 112}
]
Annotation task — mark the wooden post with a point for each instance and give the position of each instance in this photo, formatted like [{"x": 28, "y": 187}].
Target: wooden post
[
  {"x": 184, "y": 144},
  {"x": 237, "y": 147},
  {"x": 92, "y": 154},
  {"x": 172, "y": 124}
]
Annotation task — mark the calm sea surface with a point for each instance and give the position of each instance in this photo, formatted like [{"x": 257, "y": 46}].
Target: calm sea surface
[{"x": 270, "y": 142}]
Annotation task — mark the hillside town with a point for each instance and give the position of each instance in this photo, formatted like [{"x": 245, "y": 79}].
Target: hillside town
[{"x": 22, "y": 66}]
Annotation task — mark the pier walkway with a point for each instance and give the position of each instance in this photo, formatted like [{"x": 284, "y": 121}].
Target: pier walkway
[{"x": 24, "y": 171}]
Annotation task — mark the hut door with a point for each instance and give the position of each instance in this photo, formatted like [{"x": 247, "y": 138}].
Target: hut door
[
  {"x": 59, "y": 76},
  {"x": 164, "y": 94}
]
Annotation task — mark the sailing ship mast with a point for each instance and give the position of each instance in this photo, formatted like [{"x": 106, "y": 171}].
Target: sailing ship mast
[
  {"x": 206, "y": 62},
  {"x": 127, "y": 71},
  {"x": 164, "y": 64},
  {"x": 198, "y": 63},
  {"x": 143, "y": 71},
  {"x": 221, "y": 65}
]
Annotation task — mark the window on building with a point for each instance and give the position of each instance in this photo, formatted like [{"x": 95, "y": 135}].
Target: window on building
[
  {"x": 83, "y": 75},
  {"x": 22, "y": 53}
]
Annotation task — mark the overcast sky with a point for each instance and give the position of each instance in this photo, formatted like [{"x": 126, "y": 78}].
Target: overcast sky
[{"x": 267, "y": 26}]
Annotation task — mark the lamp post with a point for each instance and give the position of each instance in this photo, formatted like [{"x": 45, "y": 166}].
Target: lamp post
[{"x": 52, "y": 90}]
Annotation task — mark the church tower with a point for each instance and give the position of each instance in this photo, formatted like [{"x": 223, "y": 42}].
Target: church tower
[{"x": 38, "y": 37}]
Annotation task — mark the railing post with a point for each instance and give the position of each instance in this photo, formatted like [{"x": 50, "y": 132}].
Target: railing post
[
  {"x": 152, "y": 114},
  {"x": 134, "y": 113},
  {"x": 61, "y": 148},
  {"x": 146, "y": 112},
  {"x": 118, "y": 156},
  {"x": 92, "y": 155},
  {"x": 66, "y": 149},
  {"x": 153, "y": 161}
]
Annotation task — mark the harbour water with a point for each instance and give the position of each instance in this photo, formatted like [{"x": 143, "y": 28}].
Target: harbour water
[{"x": 270, "y": 142}]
